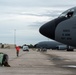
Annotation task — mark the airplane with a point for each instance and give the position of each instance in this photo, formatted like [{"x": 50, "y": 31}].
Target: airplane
[
  {"x": 62, "y": 28},
  {"x": 51, "y": 45}
]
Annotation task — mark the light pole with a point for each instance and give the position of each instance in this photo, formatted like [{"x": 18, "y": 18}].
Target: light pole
[{"x": 15, "y": 37}]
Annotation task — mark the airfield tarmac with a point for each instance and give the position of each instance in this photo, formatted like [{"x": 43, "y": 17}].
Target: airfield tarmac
[{"x": 52, "y": 62}]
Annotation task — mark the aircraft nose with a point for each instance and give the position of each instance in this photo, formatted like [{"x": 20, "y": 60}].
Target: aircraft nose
[{"x": 48, "y": 29}]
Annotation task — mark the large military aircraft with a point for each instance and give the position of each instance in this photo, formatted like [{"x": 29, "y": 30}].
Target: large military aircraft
[
  {"x": 51, "y": 45},
  {"x": 62, "y": 28}
]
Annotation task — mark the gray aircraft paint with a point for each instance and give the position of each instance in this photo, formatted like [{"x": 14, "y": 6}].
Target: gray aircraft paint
[
  {"x": 48, "y": 44},
  {"x": 66, "y": 30},
  {"x": 63, "y": 28}
]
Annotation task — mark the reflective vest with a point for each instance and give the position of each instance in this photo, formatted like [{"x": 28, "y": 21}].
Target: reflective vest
[{"x": 17, "y": 48}]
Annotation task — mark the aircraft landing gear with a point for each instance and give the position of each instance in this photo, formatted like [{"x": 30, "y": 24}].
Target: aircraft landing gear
[{"x": 70, "y": 49}]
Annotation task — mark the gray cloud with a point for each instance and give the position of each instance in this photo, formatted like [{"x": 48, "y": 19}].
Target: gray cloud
[
  {"x": 46, "y": 13},
  {"x": 39, "y": 3},
  {"x": 49, "y": 14},
  {"x": 36, "y": 25}
]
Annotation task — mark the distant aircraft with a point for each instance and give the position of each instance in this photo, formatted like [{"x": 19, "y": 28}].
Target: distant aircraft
[
  {"x": 51, "y": 45},
  {"x": 63, "y": 28}
]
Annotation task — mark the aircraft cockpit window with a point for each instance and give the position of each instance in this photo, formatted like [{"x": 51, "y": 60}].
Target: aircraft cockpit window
[
  {"x": 63, "y": 15},
  {"x": 69, "y": 14}
]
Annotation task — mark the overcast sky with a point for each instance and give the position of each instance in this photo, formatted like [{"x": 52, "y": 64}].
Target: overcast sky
[{"x": 20, "y": 20}]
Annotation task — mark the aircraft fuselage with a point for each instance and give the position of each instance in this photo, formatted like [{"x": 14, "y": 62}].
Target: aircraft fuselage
[{"x": 63, "y": 28}]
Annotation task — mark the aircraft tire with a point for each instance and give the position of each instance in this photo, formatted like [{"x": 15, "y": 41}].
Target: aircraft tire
[{"x": 70, "y": 49}]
